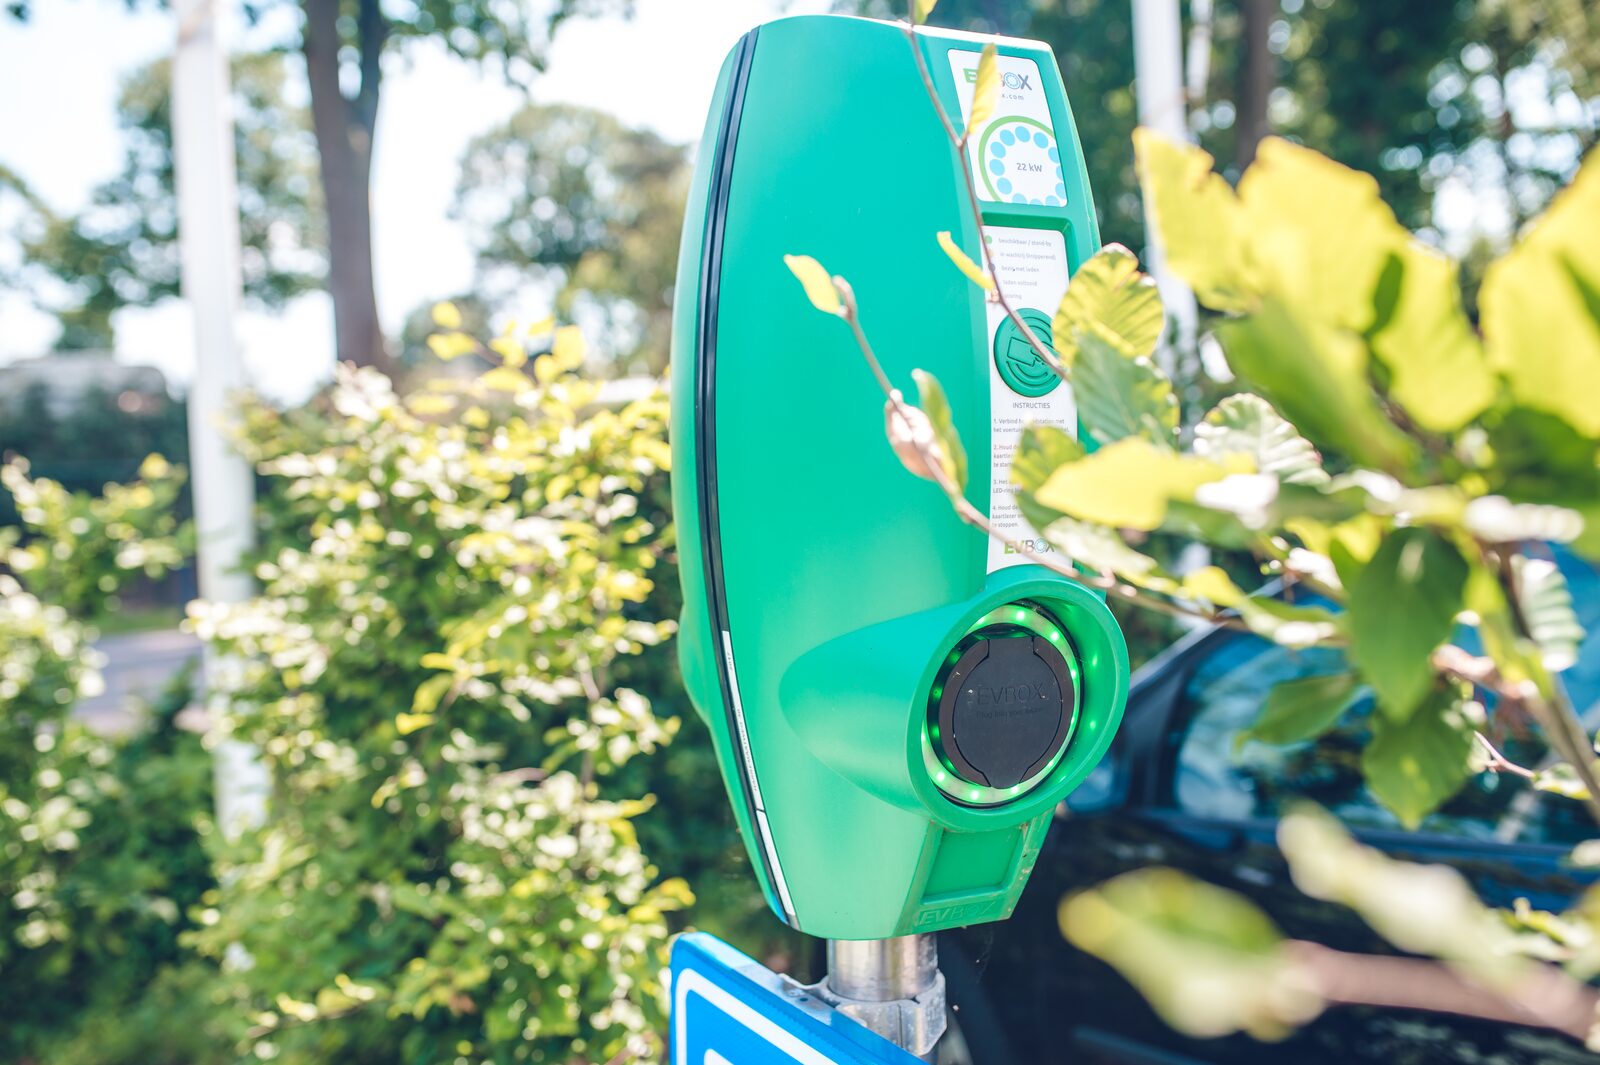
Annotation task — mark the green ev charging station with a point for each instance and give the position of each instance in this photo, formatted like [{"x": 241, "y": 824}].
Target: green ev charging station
[{"x": 898, "y": 704}]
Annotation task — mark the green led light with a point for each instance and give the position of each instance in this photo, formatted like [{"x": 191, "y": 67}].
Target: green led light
[
  {"x": 937, "y": 692},
  {"x": 1019, "y": 615},
  {"x": 975, "y": 794},
  {"x": 940, "y": 776}
]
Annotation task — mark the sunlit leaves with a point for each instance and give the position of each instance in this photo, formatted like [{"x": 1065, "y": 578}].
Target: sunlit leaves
[
  {"x": 1247, "y": 424},
  {"x": 921, "y": 9},
  {"x": 1545, "y": 603},
  {"x": 1129, "y": 483},
  {"x": 985, "y": 93},
  {"x": 975, "y": 273},
  {"x": 446, "y": 315},
  {"x": 1042, "y": 450},
  {"x": 1403, "y": 605},
  {"x": 1317, "y": 376},
  {"x": 1208, "y": 960},
  {"x": 816, "y": 281},
  {"x": 1119, "y": 396},
  {"x": 1437, "y": 369},
  {"x": 1110, "y": 298},
  {"x": 1539, "y": 304},
  {"x": 1198, "y": 218},
  {"x": 1316, "y": 235},
  {"x": 936, "y": 406}
]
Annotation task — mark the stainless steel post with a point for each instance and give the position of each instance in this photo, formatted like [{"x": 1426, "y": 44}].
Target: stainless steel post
[{"x": 892, "y": 986}]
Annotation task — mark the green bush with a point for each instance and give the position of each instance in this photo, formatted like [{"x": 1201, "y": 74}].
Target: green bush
[
  {"x": 456, "y": 582},
  {"x": 100, "y": 856}
]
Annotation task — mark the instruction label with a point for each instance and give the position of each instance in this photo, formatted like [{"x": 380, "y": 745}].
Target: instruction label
[{"x": 1031, "y": 269}]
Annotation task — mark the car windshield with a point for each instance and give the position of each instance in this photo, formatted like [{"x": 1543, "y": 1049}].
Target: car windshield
[{"x": 1218, "y": 776}]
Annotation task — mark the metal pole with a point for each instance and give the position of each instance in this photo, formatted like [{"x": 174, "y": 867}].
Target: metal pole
[
  {"x": 1158, "y": 89},
  {"x": 893, "y": 986},
  {"x": 208, "y": 230}
]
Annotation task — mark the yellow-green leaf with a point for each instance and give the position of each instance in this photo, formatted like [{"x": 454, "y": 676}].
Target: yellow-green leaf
[
  {"x": 975, "y": 273},
  {"x": 934, "y": 403},
  {"x": 1129, "y": 483},
  {"x": 1317, "y": 376},
  {"x": 1437, "y": 368},
  {"x": 429, "y": 404},
  {"x": 510, "y": 350},
  {"x": 921, "y": 9},
  {"x": 1214, "y": 586},
  {"x": 1317, "y": 235},
  {"x": 1120, "y": 396},
  {"x": 1540, "y": 326},
  {"x": 449, "y": 346},
  {"x": 1197, "y": 217},
  {"x": 505, "y": 379},
  {"x": 446, "y": 315},
  {"x": 1110, "y": 296},
  {"x": 406, "y": 724},
  {"x": 985, "y": 93},
  {"x": 816, "y": 281}
]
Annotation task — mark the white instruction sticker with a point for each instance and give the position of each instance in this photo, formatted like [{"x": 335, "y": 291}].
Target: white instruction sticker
[
  {"x": 1014, "y": 156},
  {"x": 1031, "y": 268}
]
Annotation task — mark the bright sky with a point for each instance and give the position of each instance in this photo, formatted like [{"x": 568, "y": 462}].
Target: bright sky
[{"x": 59, "y": 77}]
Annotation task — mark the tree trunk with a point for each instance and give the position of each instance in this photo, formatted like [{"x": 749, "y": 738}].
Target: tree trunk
[
  {"x": 1255, "y": 80},
  {"x": 343, "y": 129}
]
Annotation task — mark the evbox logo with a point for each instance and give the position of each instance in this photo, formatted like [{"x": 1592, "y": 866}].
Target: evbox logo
[{"x": 1010, "y": 79}]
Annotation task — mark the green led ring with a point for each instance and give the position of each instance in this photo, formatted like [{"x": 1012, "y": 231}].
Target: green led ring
[{"x": 1031, "y": 619}]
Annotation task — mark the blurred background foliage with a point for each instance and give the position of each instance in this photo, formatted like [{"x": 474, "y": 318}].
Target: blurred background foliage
[{"x": 454, "y": 660}]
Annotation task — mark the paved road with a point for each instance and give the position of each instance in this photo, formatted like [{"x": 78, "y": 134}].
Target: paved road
[{"x": 138, "y": 666}]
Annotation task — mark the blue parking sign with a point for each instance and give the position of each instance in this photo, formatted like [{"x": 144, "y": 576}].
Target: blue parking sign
[{"x": 728, "y": 1009}]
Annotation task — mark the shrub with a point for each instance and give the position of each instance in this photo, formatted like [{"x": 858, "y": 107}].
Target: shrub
[
  {"x": 450, "y": 865},
  {"x": 100, "y": 856}
]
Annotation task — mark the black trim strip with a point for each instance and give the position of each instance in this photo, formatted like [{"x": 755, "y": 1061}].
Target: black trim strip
[{"x": 705, "y": 437}]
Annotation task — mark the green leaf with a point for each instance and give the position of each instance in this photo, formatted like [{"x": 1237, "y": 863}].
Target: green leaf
[
  {"x": 975, "y": 273},
  {"x": 985, "y": 93},
  {"x": 1317, "y": 376},
  {"x": 1436, "y": 364},
  {"x": 1413, "y": 765},
  {"x": 1541, "y": 326},
  {"x": 1545, "y": 603},
  {"x": 1127, "y": 484},
  {"x": 1319, "y": 235},
  {"x": 1289, "y": 624},
  {"x": 936, "y": 406},
  {"x": 1209, "y": 961},
  {"x": 921, "y": 9},
  {"x": 1302, "y": 709},
  {"x": 1042, "y": 450},
  {"x": 1402, "y": 606},
  {"x": 817, "y": 283},
  {"x": 1121, "y": 397},
  {"x": 1246, "y": 424},
  {"x": 1560, "y": 779},
  {"x": 1108, "y": 296},
  {"x": 1198, "y": 218},
  {"x": 1100, "y": 549}
]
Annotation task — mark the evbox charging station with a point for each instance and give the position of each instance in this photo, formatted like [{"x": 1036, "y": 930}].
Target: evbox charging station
[{"x": 898, "y": 704}]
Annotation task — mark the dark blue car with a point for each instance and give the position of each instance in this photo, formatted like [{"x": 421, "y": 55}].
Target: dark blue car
[{"x": 1174, "y": 792}]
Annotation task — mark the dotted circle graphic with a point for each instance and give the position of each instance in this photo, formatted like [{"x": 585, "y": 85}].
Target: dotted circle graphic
[{"x": 1021, "y": 163}]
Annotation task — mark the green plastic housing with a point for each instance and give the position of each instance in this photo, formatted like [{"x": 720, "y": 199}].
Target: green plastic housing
[{"x": 824, "y": 585}]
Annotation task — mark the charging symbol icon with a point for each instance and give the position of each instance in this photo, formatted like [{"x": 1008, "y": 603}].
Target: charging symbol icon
[{"x": 1020, "y": 366}]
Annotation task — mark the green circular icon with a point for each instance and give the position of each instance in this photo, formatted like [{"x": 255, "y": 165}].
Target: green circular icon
[{"x": 1019, "y": 365}]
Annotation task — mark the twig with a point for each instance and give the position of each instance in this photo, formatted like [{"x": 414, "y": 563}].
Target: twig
[
  {"x": 1499, "y": 763},
  {"x": 1548, "y": 998}
]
